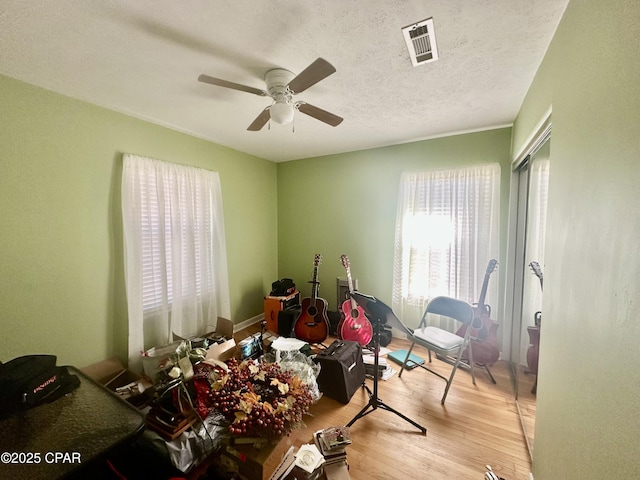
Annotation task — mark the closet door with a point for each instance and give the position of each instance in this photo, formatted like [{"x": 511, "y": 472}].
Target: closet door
[{"x": 532, "y": 176}]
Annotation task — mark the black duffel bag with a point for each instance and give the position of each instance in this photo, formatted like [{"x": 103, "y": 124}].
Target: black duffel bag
[{"x": 31, "y": 380}]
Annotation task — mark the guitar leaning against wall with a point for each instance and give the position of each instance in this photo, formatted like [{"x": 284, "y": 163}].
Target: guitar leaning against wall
[
  {"x": 355, "y": 326},
  {"x": 533, "y": 352},
  {"x": 484, "y": 338},
  {"x": 312, "y": 326}
]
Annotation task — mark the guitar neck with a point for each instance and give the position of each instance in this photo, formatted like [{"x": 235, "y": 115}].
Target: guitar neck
[
  {"x": 350, "y": 283},
  {"x": 314, "y": 283},
  {"x": 347, "y": 266},
  {"x": 314, "y": 289},
  {"x": 483, "y": 293}
]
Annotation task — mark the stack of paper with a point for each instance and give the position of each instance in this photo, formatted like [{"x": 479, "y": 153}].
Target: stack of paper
[
  {"x": 332, "y": 443},
  {"x": 384, "y": 370}
]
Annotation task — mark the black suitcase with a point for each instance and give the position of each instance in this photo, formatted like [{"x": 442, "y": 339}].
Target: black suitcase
[{"x": 341, "y": 370}]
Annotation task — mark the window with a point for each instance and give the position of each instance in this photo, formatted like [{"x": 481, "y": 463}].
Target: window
[
  {"x": 447, "y": 230},
  {"x": 175, "y": 253}
]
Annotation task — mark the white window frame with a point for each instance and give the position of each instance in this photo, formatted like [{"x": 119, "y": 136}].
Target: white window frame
[{"x": 447, "y": 230}]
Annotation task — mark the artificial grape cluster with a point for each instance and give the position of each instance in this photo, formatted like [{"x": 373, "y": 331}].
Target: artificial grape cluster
[{"x": 258, "y": 399}]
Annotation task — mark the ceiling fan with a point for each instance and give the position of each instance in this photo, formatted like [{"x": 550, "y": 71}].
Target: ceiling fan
[{"x": 282, "y": 85}]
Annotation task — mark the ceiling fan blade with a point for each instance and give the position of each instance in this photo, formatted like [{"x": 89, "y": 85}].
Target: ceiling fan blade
[
  {"x": 311, "y": 75},
  {"x": 319, "y": 114},
  {"x": 236, "y": 86},
  {"x": 260, "y": 121}
]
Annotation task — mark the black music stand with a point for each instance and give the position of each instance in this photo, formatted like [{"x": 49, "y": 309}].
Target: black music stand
[{"x": 379, "y": 314}]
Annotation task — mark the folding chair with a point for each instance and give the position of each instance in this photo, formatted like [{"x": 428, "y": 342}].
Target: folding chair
[{"x": 446, "y": 345}]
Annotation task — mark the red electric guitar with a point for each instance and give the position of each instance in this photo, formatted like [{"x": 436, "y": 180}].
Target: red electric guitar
[
  {"x": 355, "y": 326},
  {"x": 484, "y": 339},
  {"x": 312, "y": 325}
]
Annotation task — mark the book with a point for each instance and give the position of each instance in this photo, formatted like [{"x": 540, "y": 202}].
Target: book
[
  {"x": 370, "y": 360},
  {"x": 297, "y": 473},
  {"x": 285, "y": 466},
  {"x": 335, "y": 437},
  {"x": 324, "y": 449},
  {"x": 399, "y": 355},
  {"x": 387, "y": 373}
]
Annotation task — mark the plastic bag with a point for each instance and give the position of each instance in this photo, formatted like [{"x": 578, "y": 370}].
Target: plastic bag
[
  {"x": 198, "y": 442},
  {"x": 299, "y": 364}
]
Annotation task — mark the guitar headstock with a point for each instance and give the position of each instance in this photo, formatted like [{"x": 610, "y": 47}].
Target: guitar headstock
[
  {"x": 493, "y": 263},
  {"x": 535, "y": 268},
  {"x": 317, "y": 259},
  {"x": 345, "y": 261}
]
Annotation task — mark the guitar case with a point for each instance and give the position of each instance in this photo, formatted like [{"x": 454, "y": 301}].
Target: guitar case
[
  {"x": 341, "y": 370},
  {"x": 334, "y": 320},
  {"x": 287, "y": 319}
]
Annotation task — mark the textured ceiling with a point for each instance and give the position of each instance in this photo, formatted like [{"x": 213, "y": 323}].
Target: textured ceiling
[{"x": 143, "y": 58}]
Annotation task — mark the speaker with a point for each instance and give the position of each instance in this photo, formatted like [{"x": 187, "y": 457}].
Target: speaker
[{"x": 341, "y": 370}]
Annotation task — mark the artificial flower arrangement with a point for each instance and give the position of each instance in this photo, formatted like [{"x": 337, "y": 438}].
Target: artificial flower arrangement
[{"x": 258, "y": 399}]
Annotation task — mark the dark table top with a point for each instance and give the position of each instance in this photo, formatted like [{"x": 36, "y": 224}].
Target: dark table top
[{"x": 55, "y": 439}]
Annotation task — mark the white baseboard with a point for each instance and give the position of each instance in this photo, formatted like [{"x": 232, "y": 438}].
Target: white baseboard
[{"x": 249, "y": 322}]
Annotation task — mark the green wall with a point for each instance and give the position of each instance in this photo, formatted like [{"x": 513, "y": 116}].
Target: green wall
[
  {"x": 587, "y": 423},
  {"x": 347, "y": 204},
  {"x": 62, "y": 273}
]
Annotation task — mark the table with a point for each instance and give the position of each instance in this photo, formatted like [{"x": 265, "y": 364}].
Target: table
[{"x": 58, "y": 438}]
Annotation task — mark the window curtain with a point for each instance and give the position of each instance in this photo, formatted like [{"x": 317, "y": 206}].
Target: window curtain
[
  {"x": 447, "y": 231},
  {"x": 175, "y": 252}
]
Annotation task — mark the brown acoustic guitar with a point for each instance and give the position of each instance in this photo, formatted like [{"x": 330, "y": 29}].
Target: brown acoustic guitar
[
  {"x": 312, "y": 325},
  {"x": 533, "y": 352},
  {"x": 484, "y": 330}
]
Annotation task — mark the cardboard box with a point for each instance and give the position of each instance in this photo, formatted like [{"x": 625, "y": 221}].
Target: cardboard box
[
  {"x": 155, "y": 359},
  {"x": 256, "y": 464},
  {"x": 112, "y": 374},
  {"x": 226, "y": 350}
]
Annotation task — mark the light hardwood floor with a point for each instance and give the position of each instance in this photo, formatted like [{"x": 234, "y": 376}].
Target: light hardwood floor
[{"x": 478, "y": 425}]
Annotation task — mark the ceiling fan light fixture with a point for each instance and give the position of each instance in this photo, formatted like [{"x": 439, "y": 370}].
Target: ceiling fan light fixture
[
  {"x": 282, "y": 85},
  {"x": 282, "y": 113}
]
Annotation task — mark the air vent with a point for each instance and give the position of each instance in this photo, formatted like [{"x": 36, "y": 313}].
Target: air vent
[{"x": 421, "y": 41}]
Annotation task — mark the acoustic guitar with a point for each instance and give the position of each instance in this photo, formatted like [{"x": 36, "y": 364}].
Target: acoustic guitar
[
  {"x": 355, "y": 326},
  {"x": 312, "y": 325},
  {"x": 484, "y": 338}
]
